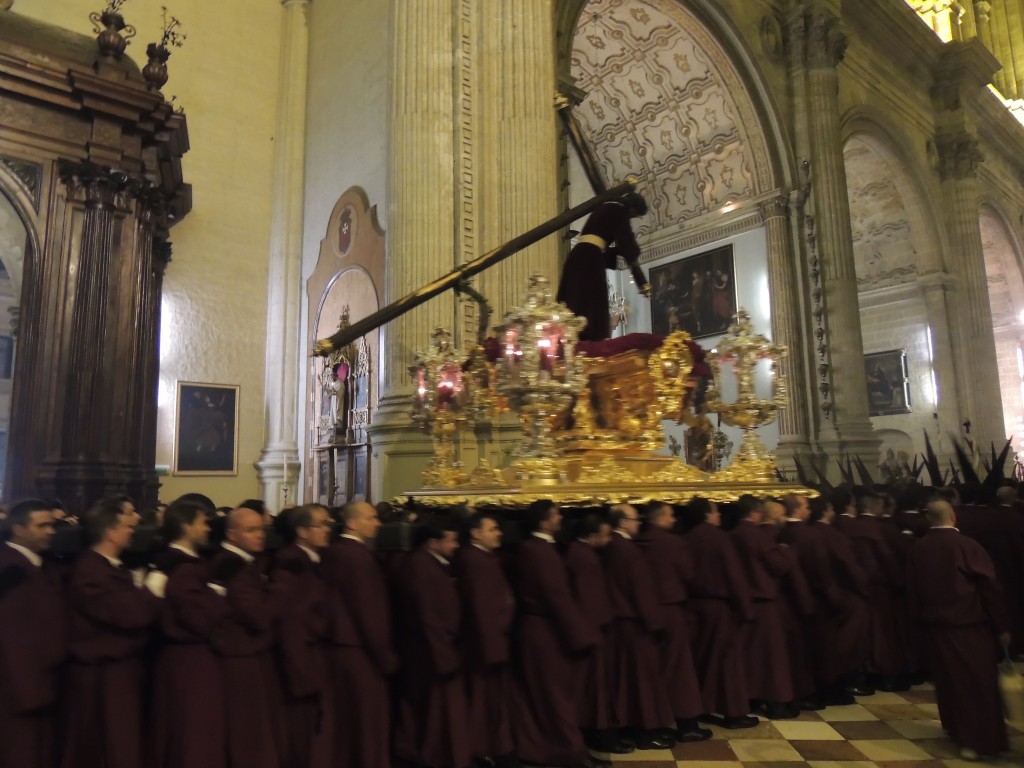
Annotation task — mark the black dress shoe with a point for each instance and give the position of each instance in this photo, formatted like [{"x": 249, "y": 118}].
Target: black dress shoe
[
  {"x": 860, "y": 690},
  {"x": 813, "y": 704},
  {"x": 696, "y": 734},
  {"x": 594, "y": 762},
  {"x": 743, "y": 721},
  {"x": 654, "y": 741},
  {"x": 775, "y": 710}
]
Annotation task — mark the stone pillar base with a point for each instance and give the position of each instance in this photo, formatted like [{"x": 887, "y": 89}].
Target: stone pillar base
[
  {"x": 857, "y": 444},
  {"x": 400, "y": 450},
  {"x": 278, "y": 472}
]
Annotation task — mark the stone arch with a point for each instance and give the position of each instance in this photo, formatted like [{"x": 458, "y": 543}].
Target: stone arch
[
  {"x": 1004, "y": 270},
  {"x": 670, "y": 100},
  {"x": 18, "y": 202}
]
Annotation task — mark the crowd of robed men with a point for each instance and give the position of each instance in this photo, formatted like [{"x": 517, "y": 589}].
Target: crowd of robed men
[{"x": 626, "y": 636}]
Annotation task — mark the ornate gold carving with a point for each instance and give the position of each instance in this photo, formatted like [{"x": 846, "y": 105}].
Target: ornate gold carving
[{"x": 439, "y": 407}]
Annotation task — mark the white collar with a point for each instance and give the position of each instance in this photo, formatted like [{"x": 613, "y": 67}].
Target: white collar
[
  {"x": 544, "y": 536},
  {"x": 945, "y": 528},
  {"x": 114, "y": 562},
  {"x": 439, "y": 559},
  {"x": 910, "y": 512},
  {"x": 481, "y": 547},
  {"x": 238, "y": 551},
  {"x": 313, "y": 554},
  {"x": 846, "y": 514},
  {"x": 186, "y": 550},
  {"x": 623, "y": 534},
  {"x": 353, "y": 537},
  {"x": 793, "y": 520},
  {"x": 31, "y": 556}
]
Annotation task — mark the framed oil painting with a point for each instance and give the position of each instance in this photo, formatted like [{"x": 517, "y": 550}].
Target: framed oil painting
[
  {"x": 206, "y": 432},
  {"x": 888, "y": 384},
  {"x": 696, "y": 294}
]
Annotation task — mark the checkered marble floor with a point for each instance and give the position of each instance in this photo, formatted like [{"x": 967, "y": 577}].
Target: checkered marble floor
[{"x": 887, "y": 730}]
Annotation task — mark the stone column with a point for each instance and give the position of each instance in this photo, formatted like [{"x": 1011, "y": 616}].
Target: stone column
[
  {"x": 784, "y": 287},
  {"x": 973, "y": 338},
  {"x": 421, "y": 220},
  {"x": 519, "y": 152},
  {"x": 939, "y": 291},
  {"x": 284, "y": 289},
  {"x": 983, "y": 21},
  {"x": 851, "y": 432}
]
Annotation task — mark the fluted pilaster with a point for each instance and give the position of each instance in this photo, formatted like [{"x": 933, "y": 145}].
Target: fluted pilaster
[
  {"x": 284, "y": 291},
  {"x": 783, "y": 286},
  {"x": 825, "y": 48},
  {"x": 939, "y": 297}
]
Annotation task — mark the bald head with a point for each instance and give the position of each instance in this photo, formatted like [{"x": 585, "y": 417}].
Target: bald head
[
  {"x": 361, "y": 520},
  {"x": 774, "y": 513},
  {"x": 940, "y": 513},
  {"x": 245, "y": 530}
]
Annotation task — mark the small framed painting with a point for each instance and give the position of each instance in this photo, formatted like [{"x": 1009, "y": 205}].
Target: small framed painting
[
  {"x": 206, "y": 430},
  {"x": 888, "y": 383},
  {"x": 696, "y": 294}
]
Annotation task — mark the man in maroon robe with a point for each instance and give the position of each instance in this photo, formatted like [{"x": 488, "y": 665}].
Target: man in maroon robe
[
  {"x": 431, "y": 728},
  {"x": 254, "y": 723},
  {"x": 303, "y": 632},
  {"x": 584, "y": 287},
  {"x": 188, "y": 696},
  {"x": 362, "y": 655},
  {"x": 671, "y": 563},
  {"x": 552, "y": 629},
  {"x": 33, "y": 641},
  {"x": 110, "y": 618},
  {"x": 720, "y": 604},
  {"x": 488, "y": 609},
  {"x": 953, "y": 592},
  {"x": 765, "y": 563},
  {"x": 640, "y": 700}
]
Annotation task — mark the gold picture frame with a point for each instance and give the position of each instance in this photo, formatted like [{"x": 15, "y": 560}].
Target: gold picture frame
[{"x": 206, "y": 430}]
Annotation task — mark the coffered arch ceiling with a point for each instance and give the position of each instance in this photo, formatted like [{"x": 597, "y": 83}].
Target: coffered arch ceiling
[
  {"x": 893, "y": 234},
  {"x": 666, "y": 103}
]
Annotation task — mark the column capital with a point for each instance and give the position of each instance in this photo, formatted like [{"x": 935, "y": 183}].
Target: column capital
[
  {"x": 826, "y": 42},
  {"x": 775, "y": 208},
  {"x": 982, "y": 11},
  {"x": 960, "y": 156},
  {"x": 287, "y": 3}
]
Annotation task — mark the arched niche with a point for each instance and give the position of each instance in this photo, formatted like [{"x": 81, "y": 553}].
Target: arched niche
[
  {"x": 1003, "y": 268},
  {"x": 347, "y": 280},
  {"x": 666, "y": 102},
  {"x": 899, "y": 257}
]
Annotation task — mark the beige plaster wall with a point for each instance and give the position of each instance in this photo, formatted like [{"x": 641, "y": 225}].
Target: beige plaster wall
[
  {"x": 215, "y": 291},
  {"x": 346, "y": 125}
]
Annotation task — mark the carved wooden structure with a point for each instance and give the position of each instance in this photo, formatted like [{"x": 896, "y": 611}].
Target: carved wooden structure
[{"x": 91, "y": 159}]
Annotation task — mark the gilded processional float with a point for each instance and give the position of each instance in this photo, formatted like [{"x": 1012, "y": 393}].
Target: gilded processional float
[{"x": 592, "y": 412}]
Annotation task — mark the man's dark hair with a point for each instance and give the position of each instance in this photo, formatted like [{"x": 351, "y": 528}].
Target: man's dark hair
[
  {"x": 696, "y": 512},
  {"x": 841, "y": 499},
  {"x": 653, "y": 509},
  {"x": 20, "y": 514},
  {"x": 473, "y": 522},
  {"x": 302, "y": 517},
  {"x": 747, "y": 503},
  {"x": 538, "y": 512},
  {"x": 178, "y": 515},
  {"x": 256, "y": 505},
  {"x": 56, "y": 504},
  {"x": 817, "y": 505},
  {"x": 204, "y": 501},
  {"x": 103, "y": 516},
  {"x": 433, "y": 529},
  {"x": 590, "y": 524}
]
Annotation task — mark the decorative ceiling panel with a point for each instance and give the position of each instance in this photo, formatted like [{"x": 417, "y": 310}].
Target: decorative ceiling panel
[{"x": 666, "y": 104}]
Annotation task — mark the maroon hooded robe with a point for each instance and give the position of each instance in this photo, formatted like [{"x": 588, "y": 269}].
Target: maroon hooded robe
[
  {"x": 719, "y": 603},
  {"x": 953, "y": 592},
  {"x": 488, "y": 610},
  {"x": 33, "y": 644},
  {"x": 431, "y": 727},
  {"x": 361, "y": 657},
  {"x": 552, "y": 629},
  {"x": 254, "y": 718},
  {"x": 188, "y": 695},
  {"x": 302, "y": 652},
  {"x": 110, "y": 620},
  {"x": 671, "y": 563},
  {"x": 843, "y": 623},
  {"x": 583, "y": 286},
  {"x": 797, "y": 603},
  {"x": 590, "y": 591}
]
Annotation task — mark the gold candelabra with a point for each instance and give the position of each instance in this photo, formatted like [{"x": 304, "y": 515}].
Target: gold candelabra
[
  {"x": 539, "y": 375},
  {"x": 743, "y": 349},
  {"x": 485, "y": 405},
  {"x": 439, "y": 407}
]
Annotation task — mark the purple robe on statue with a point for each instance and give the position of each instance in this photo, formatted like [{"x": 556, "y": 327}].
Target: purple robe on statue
[
  {"x": 33, "y": 644},
  {"x": 254, "y": 717},
  {"x": 590, "y": 591},
  {"x": 361, "y": 657},
  {"x": 488, "y": 609},
  {"x": 719, "y": 604},
  {"x": 671, "y": 563},
  {"x": 431, "y": 727},
  {"x": 764, "y": 640},
  {"x": 110, "y": 620},
  {"x": 584, "y": 287},
  {"x": 552, "y": 629},
  {"x": 188, "y": 695},
  {"x": 953, "y": 592},
  {"x": 639, "y": 693}
]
